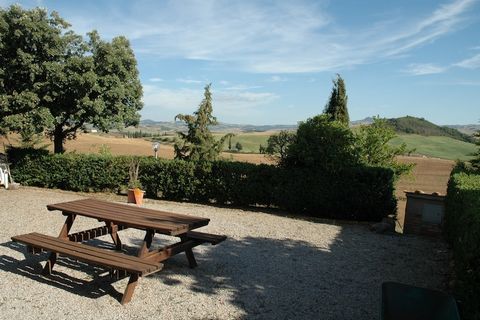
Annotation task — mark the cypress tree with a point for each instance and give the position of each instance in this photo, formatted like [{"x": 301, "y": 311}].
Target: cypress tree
[
  {"x": 198, "y": 143},
  {"x": 336, "y": 107}
]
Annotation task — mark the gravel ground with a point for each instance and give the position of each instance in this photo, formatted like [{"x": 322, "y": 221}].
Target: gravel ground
[{"x": 270, "y": 267}]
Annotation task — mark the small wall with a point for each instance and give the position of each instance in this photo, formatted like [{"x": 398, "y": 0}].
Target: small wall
[{"x": 424, "y": 213}]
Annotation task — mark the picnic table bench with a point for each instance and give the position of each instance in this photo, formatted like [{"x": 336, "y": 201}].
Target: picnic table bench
[{"x": 118, "y": 217}]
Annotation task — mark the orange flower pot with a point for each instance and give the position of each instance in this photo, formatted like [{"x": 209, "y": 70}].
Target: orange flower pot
[{"x": 135, "y": 196}]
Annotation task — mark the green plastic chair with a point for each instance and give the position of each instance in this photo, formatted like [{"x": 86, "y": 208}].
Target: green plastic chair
[{"x": 402, "y": 302}]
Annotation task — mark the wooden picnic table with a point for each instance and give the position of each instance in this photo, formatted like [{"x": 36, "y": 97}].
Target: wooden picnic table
[{"x": 117, "y": 217}]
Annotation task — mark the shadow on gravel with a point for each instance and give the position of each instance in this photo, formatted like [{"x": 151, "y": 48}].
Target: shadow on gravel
[
  {"x": 97, "y": 285},
  {"x": 268, "y": 278},
  {"x": 290, "y": 279}
]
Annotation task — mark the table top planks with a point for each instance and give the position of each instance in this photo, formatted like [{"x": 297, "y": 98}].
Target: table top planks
[{"x": 132, "y": 216}]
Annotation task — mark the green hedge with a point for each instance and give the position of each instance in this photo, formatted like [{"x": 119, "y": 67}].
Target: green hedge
[
  {"x": 462, "y": 226},
  {"x": 358, "y": 194}
]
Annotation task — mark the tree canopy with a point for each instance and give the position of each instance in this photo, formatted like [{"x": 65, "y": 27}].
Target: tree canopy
[
  {"x": 372, "y": 145},
  {"x": 322, "y": 144},
  {"x": 199, "y": 144},
  {"x": 336, "y": 107},
  {"x": 58, "y": 82},
  {"x": 278, "y": 144}
]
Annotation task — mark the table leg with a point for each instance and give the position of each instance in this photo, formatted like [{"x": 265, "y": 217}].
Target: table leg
[
  {"x": 147, "y": 242},
  {"x": 113, "y": 228},
  {"x": 132, "y": 283},
  {"x": 52, "y": 258},
  {"x": 191, "y": 258}
]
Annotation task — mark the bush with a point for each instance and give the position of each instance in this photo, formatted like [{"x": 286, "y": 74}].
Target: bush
[
  {"x": 357, "y": 193},
  {"x": 322, "y": 144},
  {"x": 462, "y": 226}
]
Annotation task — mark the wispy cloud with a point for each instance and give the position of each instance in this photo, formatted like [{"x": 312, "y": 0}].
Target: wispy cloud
[
  {"x": 277, "y": 79},
  {"x": 166, "y": 103},
  {"x": 470, "y": 63},
  {"x": 242, "y": 87},
  {"x": 190, "y": 81},
  {"x": 424, "y": 69},
  {"x": 156, "y": 80},
  {"x": 283, "y": 37}
]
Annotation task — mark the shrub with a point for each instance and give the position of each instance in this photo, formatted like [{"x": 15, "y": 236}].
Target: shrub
[
  {"x": 357, "y": 193},
  {"x": 322, "y": 144},
  {"x": 462, "y": 226}
]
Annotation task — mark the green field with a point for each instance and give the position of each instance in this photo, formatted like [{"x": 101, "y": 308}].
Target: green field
[
  {"x": 437, "y": 147},
  {"x": 431, "y": 146},
  {"x": 250, "y": 141}
]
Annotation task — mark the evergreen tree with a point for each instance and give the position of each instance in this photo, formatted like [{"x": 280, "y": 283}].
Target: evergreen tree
[
  {"x": 336, "y": 107},
  {"x": 198, "y": 144}
]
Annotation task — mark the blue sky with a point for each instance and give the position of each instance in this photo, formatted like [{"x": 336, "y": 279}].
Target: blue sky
[{"x": 272, "y": 62}]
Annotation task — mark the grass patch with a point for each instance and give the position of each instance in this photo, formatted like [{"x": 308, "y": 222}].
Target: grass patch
[
  {"x": 437, "y": 147},
  {"x": 250, "y": 141}
]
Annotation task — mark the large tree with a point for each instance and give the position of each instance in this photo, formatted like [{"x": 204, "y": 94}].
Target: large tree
[
  {"x": 96, "y": 83},
  {"x": 68, "y": 82},
  {"x": 336, "y": 107},
  {"x": 198, "y": 143},
  {"x": 30, "y": 40}
]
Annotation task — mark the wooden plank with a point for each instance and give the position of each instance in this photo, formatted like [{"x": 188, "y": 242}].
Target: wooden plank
[
  {"x": 131, "y": 210},
  {"x": 165, "y": 253},
  {"x": 89, "y": 254},
  {"x": 97, "y": 207},
  {"x": 143, "y": 213},
  {"x": 87, "y": 249},
  {"x": 91, "y": 233},
  {"x": 128, "y": 220},
  {"x": 80, "y": 249},
  {"x": 207, "y": 237}
]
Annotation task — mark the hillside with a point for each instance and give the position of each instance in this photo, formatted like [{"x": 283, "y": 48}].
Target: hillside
[
  {"x": 436, "y": 146},
  {"x": 469, "y": 129},
  {"x": 420, "y": 126}
]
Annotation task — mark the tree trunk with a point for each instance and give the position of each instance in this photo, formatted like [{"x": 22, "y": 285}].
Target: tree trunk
[{"x": 58, "y": 138}]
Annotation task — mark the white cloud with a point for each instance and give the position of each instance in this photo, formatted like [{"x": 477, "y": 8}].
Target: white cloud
[
  {"x": 277, "y": 79},
  {"x": 156, "y": 80},
  {"x": 281, "y": 37},
  {"x": 470, "y": 63},
  {"x": 242, "y": 87},
  {"x": 424, "y": 69},
  {"x": 189, "y": 81}
]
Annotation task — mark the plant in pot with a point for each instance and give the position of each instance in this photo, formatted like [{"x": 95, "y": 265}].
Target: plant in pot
[{"x": 135, "y": 192}]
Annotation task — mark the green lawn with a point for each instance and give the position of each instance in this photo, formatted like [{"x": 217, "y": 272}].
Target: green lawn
[{"x": 437, "y": 147}]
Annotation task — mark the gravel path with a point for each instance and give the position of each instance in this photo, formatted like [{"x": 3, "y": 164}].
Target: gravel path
[{"x": 270, "y": 267}]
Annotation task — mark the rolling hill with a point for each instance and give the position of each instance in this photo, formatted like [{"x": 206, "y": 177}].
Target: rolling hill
[{"x": 420, "y": 126}]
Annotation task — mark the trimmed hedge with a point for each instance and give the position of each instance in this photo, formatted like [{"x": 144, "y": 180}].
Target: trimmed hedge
[
  {"x": 462, "y": 226},
  {"x": 361, "y": 193}
]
